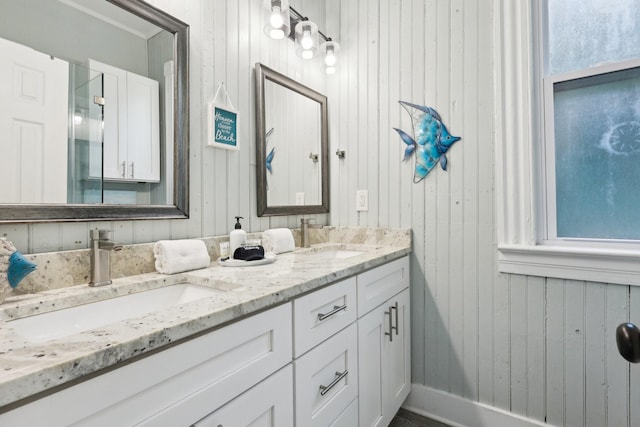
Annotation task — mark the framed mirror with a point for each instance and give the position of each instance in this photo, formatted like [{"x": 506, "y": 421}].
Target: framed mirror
[
  {"x": 116, "y": 144},
  {"x": 292, "y": 152}
]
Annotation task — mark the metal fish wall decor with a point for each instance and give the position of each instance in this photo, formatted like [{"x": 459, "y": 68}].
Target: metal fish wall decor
[{"x": 430, "y": 140}]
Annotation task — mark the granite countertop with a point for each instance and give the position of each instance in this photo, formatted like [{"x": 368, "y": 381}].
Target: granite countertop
[{"x": 30, "y": 368}]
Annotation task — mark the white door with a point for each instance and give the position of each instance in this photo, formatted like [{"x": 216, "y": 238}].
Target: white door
[{"x": 33, "y": 125}]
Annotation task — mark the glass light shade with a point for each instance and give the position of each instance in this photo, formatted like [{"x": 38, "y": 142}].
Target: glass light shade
[
  {"x": 330, "y": 50},
  {"x": 278, "y": 19},
  {"x": 330, "y": 70},
  {"x": 306, "y": 39}
]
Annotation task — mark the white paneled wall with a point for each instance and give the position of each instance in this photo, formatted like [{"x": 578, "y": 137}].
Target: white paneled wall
[
  {"x": 226, "y": 40},
  {"x": 541, "y": 348}
]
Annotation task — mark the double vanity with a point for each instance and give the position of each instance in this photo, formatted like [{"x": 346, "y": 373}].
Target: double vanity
[{"x": 318, "y": 338}]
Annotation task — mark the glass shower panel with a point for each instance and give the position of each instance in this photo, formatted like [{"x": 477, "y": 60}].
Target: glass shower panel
[{"x": 85, "y": 155}]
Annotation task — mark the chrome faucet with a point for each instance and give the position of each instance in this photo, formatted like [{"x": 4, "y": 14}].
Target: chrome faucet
[
  {"x": 101, "y": 248},
  {"x": 305, "y": 225}
]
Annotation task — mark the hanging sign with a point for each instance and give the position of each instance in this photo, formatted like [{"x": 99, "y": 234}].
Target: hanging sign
[{"x": 222, "y": 121}]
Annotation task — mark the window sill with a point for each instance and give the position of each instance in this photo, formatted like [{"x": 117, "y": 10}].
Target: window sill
[{"x": 589, "y": 264}]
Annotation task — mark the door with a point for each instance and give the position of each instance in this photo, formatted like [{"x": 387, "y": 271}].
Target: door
[
  {"x": 143, "y": 132},
  {"x": 33, "y": 124},
  {"x": 371, "y": 364}
]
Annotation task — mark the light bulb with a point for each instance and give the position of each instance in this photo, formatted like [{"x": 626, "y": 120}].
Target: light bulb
[
  {"x": 330, "y": 70},
  {"x": 306, "y": 42},
  {"x": 330, "y": 58},
  {"x": 275, "y": 19},
  {"x": 307, "y": 54},
  {"x": 276, "y": 34},
  {"x": 77, "y": 119}
]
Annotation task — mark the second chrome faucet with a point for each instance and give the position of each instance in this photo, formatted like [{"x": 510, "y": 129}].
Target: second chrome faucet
[{"x": 305, "y": 225}]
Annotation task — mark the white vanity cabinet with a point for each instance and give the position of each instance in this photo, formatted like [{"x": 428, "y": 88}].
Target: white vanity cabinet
[
  {"x": 335, "y": 357},
  {"x": 384, "y": 342},
  {"x": 132, "y": 127}
]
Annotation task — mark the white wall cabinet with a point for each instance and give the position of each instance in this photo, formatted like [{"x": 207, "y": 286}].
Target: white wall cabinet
[{"x": 131, "y": 126}]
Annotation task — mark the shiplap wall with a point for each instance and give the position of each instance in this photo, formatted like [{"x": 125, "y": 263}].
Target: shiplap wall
[{"x": 542, "y": 348}]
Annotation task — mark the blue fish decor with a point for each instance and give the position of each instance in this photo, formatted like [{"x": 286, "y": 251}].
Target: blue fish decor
[
  {"x": 13, "y": 265},
  {"x": 430, "y": 141},
  {"x": 271, "y": 154}
]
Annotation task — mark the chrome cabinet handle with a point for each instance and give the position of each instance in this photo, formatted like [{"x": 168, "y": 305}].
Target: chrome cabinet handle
[
  {"x": 397, "y": 327},
  {"x": 390, "y": 333},
  {"x": 124, "y": 169},
  {"x": 336, "y": 309},
  {"x": 339, "y": 376},
  {"x": 132, "y": 170}
]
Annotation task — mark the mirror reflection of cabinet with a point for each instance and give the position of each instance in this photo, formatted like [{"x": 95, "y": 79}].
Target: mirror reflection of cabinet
[{"x": 131, "y": 126}]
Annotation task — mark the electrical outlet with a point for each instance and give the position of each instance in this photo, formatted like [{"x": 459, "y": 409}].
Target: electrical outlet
[
  {"x": 299, "y": 199},
  {"x": 362, "y": 200}
]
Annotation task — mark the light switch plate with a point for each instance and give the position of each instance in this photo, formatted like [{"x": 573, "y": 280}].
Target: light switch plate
[{"x": 362, "y": 200}]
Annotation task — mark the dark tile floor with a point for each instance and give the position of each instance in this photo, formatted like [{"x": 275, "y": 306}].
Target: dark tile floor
[{"x": 408, "y": 419}]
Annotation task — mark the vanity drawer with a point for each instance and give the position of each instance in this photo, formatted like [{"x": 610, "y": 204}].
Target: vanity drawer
[
  {"x": 381, "y": 283},
  {"x": 326, "y": 380},
  {"x": 322, "y": 313}
]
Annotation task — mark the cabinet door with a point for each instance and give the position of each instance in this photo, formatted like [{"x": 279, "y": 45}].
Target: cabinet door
[
  {"x": 143, "y": 130},
  {"x": 371, "y": 362},
  {"x": 384, "y": 361},
  {"x": 114, "y": 147},
  {"x": 397, "y": 382},
  {"x": 269, "y": 404}
]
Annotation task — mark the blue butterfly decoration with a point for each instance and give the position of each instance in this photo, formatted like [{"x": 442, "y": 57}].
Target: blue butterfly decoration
[
  {"x": 430, "y": 142},
  {"x": 271, "y": 154}
]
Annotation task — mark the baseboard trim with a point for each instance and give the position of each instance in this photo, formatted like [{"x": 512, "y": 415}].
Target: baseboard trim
[{"x": 459, "y": 412}]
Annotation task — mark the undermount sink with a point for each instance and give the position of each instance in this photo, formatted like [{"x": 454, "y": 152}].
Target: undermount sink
[
  {"x": 331, "y": 252},
  {"x": 338, "y": 254},
  {"x": 68, "y": 321}
]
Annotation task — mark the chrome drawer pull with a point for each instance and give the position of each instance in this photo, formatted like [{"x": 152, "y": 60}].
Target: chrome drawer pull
[
  {"x": 339, "y": 375},
  {"x": 336, "y": 309}
]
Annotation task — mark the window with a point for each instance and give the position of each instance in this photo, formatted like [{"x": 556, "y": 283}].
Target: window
[
  {"x": 568, "y": 139},
  {"x": 592, "y": 119}
]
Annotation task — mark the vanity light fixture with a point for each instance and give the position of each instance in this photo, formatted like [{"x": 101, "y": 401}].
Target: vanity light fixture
[
  {"x": 282, "y": 18},
  {"x": 306, "y": 39},
  {"x": 279, "y": 24},
  {"x": 330, "y": 50}
]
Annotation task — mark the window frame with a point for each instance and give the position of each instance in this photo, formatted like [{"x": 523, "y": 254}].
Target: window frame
[{"x": 521, "y": 170}]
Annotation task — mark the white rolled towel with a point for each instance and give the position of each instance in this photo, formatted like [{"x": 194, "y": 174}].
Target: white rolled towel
[
  {"x": 278, "y": 240},
  {"x": 176, "y": 256}
]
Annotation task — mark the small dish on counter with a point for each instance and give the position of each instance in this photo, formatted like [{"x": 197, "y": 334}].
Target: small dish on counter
[{"x": 269, "y": 257}]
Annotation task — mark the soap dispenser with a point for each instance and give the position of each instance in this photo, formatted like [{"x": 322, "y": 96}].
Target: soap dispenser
[{"x": 237, "y": 237}]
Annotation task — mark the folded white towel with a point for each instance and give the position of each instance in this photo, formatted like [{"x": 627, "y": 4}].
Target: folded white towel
[
  {"x": 278, "y": 240},
  {"x": 175, "y": 256}
]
